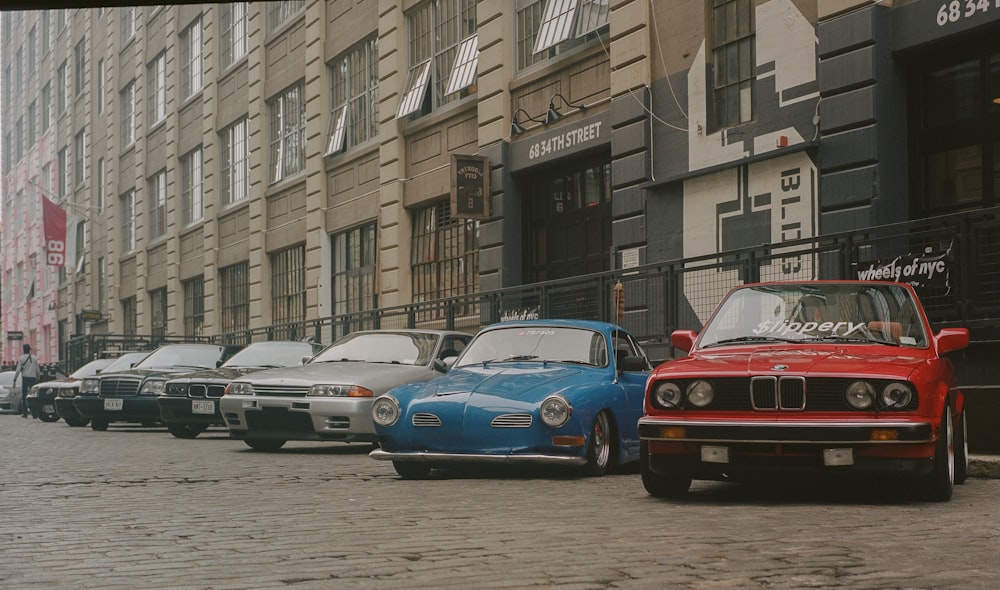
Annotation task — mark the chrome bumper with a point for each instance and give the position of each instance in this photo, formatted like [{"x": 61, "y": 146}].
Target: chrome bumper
[{"x": 432, "y": 457}]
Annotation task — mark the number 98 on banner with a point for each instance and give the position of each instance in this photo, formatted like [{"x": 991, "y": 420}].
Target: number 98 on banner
[{"x": 55, "y": 252}]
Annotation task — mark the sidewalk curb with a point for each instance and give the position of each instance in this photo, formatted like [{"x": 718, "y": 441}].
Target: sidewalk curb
[{"x": 985, "y": 466}]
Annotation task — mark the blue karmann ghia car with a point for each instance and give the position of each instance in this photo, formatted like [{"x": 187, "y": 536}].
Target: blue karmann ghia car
[{"x": 560, "y": 392}]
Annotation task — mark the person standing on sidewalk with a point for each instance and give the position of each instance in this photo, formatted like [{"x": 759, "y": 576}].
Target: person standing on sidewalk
[{"x": 27, "y": 368}]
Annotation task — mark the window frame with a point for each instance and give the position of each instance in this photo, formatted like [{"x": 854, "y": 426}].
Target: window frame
[
  {"x": 157, "y": 197},
  {"x": 287, "y": 145},
  {"x": 354, "y": 268},
  {"x": 156, "y": 89},
  {"x": 234, "y": 297},
  {"x": 732, "y": 41},
  {"x": 192, "y": 187},
  {"x": 191, "y": 59},
  {"x": 288, "y": 285},
  {"x": 353, "y": 97},
  {"x": 234, "y": 162}
]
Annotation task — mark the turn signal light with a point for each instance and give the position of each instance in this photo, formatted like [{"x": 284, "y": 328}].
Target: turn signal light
[
  {"x": 358, "y": 391},
  {"x": 567, "y": 441},
  {"x": 884, "y": 434},
  {"x": 673, "y": 432}
]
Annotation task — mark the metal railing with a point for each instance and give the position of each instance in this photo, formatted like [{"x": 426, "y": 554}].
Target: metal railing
[{"x": 665, "y": 296}]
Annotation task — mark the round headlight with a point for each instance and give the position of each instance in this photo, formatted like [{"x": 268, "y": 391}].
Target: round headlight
[
  {"x": 860, "y": 395},
  {"x": 239, "y": 388},
  {"x": 896, "y": 395},
  {"x": 179, "y": 389},
  {"x": 668, "y": 395},
  {"x": 385, "y": 410},
  {"x": 152, "y": 388},
  {"x": 555, "y": 411},
  {"x": 700, "y": 394}
]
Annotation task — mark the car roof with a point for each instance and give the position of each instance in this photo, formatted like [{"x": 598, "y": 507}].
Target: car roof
[{"x": 563, "y": 323}]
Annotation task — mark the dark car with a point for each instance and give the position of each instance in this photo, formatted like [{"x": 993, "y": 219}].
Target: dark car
[
  {"x": 130, "y": 396},
  {"x": 67, "y": 392},
  {"x": 190, "y": 404},
  {"x": 42, "y": 397}
]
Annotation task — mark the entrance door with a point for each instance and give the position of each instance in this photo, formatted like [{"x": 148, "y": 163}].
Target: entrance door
[{"x": 570, "y": 220}]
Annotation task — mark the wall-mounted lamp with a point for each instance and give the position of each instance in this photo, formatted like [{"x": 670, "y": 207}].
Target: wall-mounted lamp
[
  {"x": 553, "y": 114},
  {"x": 515, "y": 127}
]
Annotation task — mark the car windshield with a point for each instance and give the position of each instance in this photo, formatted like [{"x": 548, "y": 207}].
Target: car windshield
[
  {"x": 7, "y": 378},
  {"x": 182, "y": 355},
  {"x": 271, "y": 354},
  {"x": 405, "y": 348},
  {"x": 90, "y": 369},
  {"x": 124, "y": 362},
  {"x": 817, "y": 312},
  {"x": 537, "y": 344}
]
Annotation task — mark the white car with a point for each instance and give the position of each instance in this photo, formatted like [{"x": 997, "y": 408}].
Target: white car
[
  {"x": 10, "y": 393},
  {"x": 330, "y": 397}
]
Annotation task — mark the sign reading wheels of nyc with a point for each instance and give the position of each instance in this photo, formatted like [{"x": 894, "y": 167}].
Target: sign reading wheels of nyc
[{"x": 470, "y": 187}]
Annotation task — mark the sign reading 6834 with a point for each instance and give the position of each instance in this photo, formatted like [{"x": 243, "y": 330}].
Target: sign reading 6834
[{"x": 956, "y": 10}]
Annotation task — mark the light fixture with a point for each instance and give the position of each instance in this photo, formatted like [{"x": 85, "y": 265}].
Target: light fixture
[
  {"x": 553, "y": 114},
  {"x": 515, "y": 127}
]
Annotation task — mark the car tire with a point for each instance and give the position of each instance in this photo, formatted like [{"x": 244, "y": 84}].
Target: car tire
[
  {"x": 264, "y": 444},
  {"x": 411, "y": 469},
  {"x": 601, "y": 448},
  {"x": 48, "y": 417},
  {"x": 938, "y": 486},
  {"x": 182, "y": 430},
  {"x": 99, "y": 425},
  {"x": 76, "y": 422},
  {"x": 961, "y": 449},
  {"x": 675, "y": 483}
]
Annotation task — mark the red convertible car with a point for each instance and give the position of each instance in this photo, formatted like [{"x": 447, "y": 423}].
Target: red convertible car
[{"x": 842, "y": 377}]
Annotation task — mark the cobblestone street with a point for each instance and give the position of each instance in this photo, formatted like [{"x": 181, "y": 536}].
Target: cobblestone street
[{"x": 136, "y": 508}]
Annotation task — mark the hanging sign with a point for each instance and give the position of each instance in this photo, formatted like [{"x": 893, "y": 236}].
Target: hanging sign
[{"x": 470, "y": 187}]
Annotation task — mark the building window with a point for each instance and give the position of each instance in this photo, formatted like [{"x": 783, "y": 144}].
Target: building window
[
  {"x": 100, "y": 185},
  {"x": 129, "y": 320},
  {"x": 79, "y": 157},
  {"x": 192, "y": 206},
  {"x": 31, "y": 124},
  {"x": 31, "y": 51},
  {"x": 127, "y": 24},
  {"x": 157, "y": 204},
  {"x": 956, "y": 124},
  {"x": 46, "y": 31},
  {"x": 288, "y": 285},
  {"x": 46, "y": 107},
  {"x": 235, "y": 292},
  {"x": 81, "y": 244},
  {"x": 445, "y": 253},
  {"x": 100, "y": 86},
  {"x": 158, "y": 312},
  {"x": 288, "y": 133},
  {"x": 194, "y": 307},
  {"x": 235, "y": 168},
  {"x": 79, "y": 62},
  {"x": 354, "y": 89},
  {"x": 126, "y": 101},
  {"x": 280, "y": 12},
  {"x": 18, "y": 69},
  {"x": 354, "y": 258},
  {"x": 127, "y": 221},
  {"x": 234, "y": 33},
  {"x": 19, "y": 138},
  {"x": 101, "y": 285},
  {"x": 436, "y": 29},
  {"x": 61, "y": 83},
  {"x": 191, "y": 59},
  {"x": 733, "y": 56},
  {"x": 548, "y": 28},
  {"x": 156, "y": 89},
  {"x": 62, "y": 171}
]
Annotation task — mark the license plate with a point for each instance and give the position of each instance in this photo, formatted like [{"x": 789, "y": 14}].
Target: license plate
[
  {"x": 49, "y": 409},
  {"x": 114, "y": 404},
  {"x": 202, "y": 406}
]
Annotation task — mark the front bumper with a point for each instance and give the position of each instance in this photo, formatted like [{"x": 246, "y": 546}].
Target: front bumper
[
  {"x": 815, "y": 432},
  {"x": 133, "y": 409},
  {"x": 66, "y": 409},
  {"x": 343, "y": 419},
  {"x": 39, "y": 405},
  {"x": 184, "y": 410},
  {"x": 494, "y": 458}
]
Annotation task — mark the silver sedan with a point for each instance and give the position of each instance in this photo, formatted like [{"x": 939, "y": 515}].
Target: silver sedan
[{"x": 330, "y": 397}]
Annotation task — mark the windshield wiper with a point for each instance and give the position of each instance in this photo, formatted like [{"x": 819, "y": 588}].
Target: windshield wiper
[
  {"x": 512, "y": 358},
  {"x": 572, "y": 362},
  {"x": 742, "y": 339},
  {"x": 846, "y": 338}
]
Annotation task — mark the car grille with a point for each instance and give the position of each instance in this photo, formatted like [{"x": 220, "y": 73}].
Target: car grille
[
  {"x": 115, "y": 387},
  {"x": 281, "y": 390},
  {"x": 789, "y": 393},
  {"x": 201, "y": 390},
  {"x": 511, "y": 421},
  {"x": 425, "y": 419}
]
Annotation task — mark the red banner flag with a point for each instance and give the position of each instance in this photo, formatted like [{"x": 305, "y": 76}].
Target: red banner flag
[{"x": 54, "y": 223}]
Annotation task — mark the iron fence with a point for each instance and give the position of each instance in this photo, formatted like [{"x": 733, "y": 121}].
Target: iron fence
[{"x": 680, "y": 294}]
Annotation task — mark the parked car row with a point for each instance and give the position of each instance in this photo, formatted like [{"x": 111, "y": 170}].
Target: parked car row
[{"x": 830, "y": 378}]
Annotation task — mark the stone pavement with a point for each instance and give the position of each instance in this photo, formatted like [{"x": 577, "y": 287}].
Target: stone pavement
[{"x": 135, "y": 508}]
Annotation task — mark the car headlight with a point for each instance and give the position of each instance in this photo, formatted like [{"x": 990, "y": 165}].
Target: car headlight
[
  {"x": 90, "y": 386},
  {"x": 327, "y": 390},
  {"x": 67, "y": 392},
  {"x": 385, "y": 410},
  {"x": 238, "y": 388},
  {"x": 896, "y": 395},
  {"x": 668, "y": 394},
  {"x": 700, "y": 394},
  {"x": 860, "y": 395},
  {"x": 178, "y": 389},
  {"x": 555, "y": 411},
  {"x": 152, "y": 387},
  {"x": 33, "y": 392}
]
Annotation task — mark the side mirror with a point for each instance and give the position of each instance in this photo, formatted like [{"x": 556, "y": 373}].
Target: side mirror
[
  {"x": 683, "y": 339},
  {"x": 632, "y": 364},
  {"x": 440, "y": 365},
  {"x": 951, "y": 339}
]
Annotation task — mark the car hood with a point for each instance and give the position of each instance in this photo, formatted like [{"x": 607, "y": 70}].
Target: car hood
[
  {"x": 374, "y": 376},
  {"x": 826, "y": 360},
  {"x": 502, "y": 381},
  {"x": 165, "y": 372},
  {"x": 222, "y": 373},
  {"x": 64, "y": 383}
]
